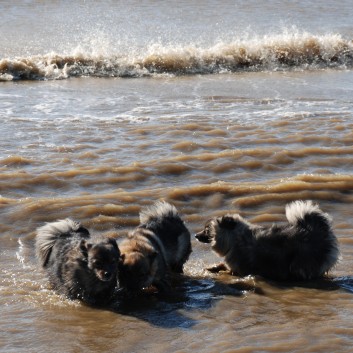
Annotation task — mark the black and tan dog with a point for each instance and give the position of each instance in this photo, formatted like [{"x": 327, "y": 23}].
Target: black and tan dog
[
  {"x": 305, "y": 248},
  {"x": 77, "y": 266},
  {"x": 159, "y": 246}
]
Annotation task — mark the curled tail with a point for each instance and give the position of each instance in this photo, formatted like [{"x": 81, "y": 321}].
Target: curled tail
[
  {"x": 307, "y": 214},
  {"x": 319, "y": 248},
  {"x": 48, "y": 234},
  {"x": 163, "y": 219},
  {"x": 159, "y": 210}
]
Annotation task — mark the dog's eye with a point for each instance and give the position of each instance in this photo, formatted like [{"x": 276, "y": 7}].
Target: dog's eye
[{"x": 97, "y": 264}]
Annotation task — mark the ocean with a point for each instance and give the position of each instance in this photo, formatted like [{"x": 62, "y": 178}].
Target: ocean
[{"x": 214, "y": 106}]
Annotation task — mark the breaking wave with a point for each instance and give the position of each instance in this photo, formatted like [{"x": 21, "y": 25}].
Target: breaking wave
[{"x": 270, "y": 53}]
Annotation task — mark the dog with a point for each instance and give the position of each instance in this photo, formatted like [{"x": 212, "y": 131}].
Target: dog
[
  {"x": 160, "y": 245},
  {"x": 77, "y": 266},
  {"x": 304, "y": 249}
]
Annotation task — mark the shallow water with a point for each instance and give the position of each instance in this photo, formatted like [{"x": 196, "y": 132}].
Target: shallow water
[{"x": 213, "y": 107}]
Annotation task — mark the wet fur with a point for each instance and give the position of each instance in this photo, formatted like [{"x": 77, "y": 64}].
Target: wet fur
[
  {"x": 160, "y": 245},
  {"x": 77, "y": 266},
  {"x": 305, "y": 248}
]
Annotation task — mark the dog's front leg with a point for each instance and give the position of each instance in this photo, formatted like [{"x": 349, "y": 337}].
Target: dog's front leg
[{"x": 163, "y": 285}]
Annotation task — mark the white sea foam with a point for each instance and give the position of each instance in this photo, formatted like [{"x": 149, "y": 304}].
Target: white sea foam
[{"x": 285, "y": 51}]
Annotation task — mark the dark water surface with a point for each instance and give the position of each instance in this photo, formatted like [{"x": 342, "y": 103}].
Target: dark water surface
[{"x": 214, "y": 107}]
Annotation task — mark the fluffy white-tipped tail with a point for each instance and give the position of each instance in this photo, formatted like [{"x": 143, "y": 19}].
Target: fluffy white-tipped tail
[
  {"x": 321, "y": 250},
  {"x": 159, "y": 209},
  {"x": 298, "y": 211},
  {"x": 48, "y": 234}
]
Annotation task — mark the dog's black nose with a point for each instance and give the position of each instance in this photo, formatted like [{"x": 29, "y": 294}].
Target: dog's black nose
[
  {"x": 202, "y": 237},
  {"x": 107, "y": 274}
]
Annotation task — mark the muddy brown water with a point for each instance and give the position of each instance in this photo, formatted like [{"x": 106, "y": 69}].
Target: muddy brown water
[{"x": 210, "y": 115}]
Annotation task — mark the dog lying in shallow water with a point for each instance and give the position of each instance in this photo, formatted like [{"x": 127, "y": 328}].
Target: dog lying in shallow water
[
  {"x": 78, "y": 267},
  {"x": 305, "y": 248},
  {"x": 160, "y": 245}
]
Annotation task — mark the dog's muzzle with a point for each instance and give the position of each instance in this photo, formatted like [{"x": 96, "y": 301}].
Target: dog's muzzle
[{"x": 203, "y": 237}]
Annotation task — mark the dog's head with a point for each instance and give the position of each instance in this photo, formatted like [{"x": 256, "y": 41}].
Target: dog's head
[
  {"x": 223, "y": 232},
  {"x": 102, "y": 258},
  {"x": 137, "y": 270}
]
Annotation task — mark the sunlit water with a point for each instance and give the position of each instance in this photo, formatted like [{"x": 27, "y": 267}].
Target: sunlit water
[{"x": 213, "y": 106}]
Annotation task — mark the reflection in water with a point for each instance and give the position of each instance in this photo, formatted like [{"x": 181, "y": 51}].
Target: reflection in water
[{"x": 170, "y": 310}]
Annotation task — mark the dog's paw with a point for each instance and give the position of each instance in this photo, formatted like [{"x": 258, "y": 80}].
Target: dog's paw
[{"x": 217, "y": 268}]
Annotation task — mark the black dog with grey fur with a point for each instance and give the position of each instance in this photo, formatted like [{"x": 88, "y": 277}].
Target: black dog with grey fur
[
  {"x": 305, "y": 248},
  {"x": 77, "y": 266}
]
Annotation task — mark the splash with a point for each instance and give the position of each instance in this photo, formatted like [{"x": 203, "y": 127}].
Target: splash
[{"x": 287, "y": 51}]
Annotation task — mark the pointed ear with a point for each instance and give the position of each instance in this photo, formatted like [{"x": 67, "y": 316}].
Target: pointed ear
[
  {"x": 227, "y": 222},
  {"x": 84, "y": 246},
  {"x": 113, "y": 242},
  {"x": 83, "y": 232}
]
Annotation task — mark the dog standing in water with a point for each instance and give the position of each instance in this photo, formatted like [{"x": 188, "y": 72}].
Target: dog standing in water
[
  {"x": 160, "y": 245},
  {"x": 77, "y": 266},
  {"x": 305, "y": 248}
]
